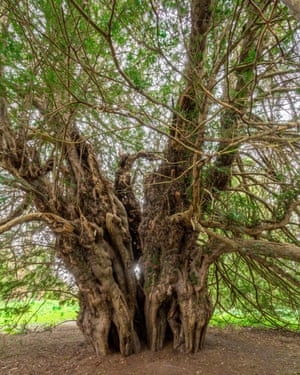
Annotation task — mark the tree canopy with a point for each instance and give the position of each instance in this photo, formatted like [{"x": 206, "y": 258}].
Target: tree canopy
[{"x": 163, "y": 134}]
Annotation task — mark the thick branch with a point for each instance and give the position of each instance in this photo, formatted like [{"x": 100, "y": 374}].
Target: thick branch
[
  {"x": 125, "y": 192},
  {"x": 257, "y": 229},
  {"x": 57, "y": 223},
  {"x": 270, "y": 249},
  {"x": 201, "y": 16},
  {"x": 220, "y": 245},
  {"x": 294, "y": 7},
  {"x": 219, "y": 176}
]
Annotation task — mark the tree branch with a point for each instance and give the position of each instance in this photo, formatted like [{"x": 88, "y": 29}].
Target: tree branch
[
  {"x": 220, "y": 245},
  {"x": 270, "y": 249},
  {"x": 17, "y": 212},
  {"x": 125, "y": 192},
  {"x": 56, "y": 223},
  {"x": 294, "y": 7},
  {"x": 257, "y": 229}
]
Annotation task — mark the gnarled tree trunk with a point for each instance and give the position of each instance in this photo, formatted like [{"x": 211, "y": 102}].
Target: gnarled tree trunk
[
  {"x": 175, "y": 267},
  {"x": 99, "y": 255},
  {"x": 174, "y": 264},
  {"x": 101, "y": 231},
  {"x": 177, "y": 299}
]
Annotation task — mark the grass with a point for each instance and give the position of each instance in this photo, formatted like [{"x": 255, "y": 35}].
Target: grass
[
  {"x": 19, "y": 317},
  {"x": 238, "y": 318}
]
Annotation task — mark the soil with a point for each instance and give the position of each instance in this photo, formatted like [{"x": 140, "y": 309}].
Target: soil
[{"x": 228, "y": 351}]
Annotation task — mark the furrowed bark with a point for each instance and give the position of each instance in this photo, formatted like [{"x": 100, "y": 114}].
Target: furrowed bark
[
  {"x": 108, "y": 290},
  {"x": 92, "y": 234},
  {"x": 175, "y": 267}
]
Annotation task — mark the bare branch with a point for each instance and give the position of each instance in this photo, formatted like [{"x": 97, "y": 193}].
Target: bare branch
[
  {"x": 220, "y": 244},
  {"x": 16, "y": 213},
  {"x": 270, "y": 249},
  {"x": 57, "y": 223},
  {"x": 294, "y": 7}
]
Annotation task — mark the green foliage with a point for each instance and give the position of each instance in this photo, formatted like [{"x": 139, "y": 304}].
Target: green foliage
[
  {"x": 239, "y": 208},
  {"x": 20, "y": 316},
  {"x": 284, "y": 199},
  {"x": 30, "y": 271},
  {"x": 30, "y": 276},
  {"x": 246, "y": 292},
  {"x": 243, "y": 318}
]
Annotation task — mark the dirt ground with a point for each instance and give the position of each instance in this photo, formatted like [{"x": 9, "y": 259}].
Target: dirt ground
[{"x": 229, "y": 351}]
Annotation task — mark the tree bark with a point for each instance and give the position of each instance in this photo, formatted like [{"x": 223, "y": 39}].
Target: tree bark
[
  {"x": 175, "y": 267},
  {"x": 294, "y": 7},
  {"x": 100, "y": 255},
  {"x": 177, "y": 303},
  {"x": 175, "y": 270},
  {"x": 101, "y": 261}
]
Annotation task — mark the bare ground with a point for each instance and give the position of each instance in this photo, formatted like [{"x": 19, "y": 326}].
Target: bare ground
[{"x": 229, "y": 351}]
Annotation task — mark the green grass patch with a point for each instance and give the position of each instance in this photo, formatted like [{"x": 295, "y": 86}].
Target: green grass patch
[
  {"x": 16, "y": 317},
  {"x": 286, "y": 319},
  {"x": 20, "y": 317}
]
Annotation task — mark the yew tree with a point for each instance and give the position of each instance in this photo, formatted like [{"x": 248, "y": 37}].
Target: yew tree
[{"x": 158, "y": 136}]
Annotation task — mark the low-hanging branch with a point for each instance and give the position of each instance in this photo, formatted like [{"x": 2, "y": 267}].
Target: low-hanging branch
[
  {"x": 220, "y": 245},
  {"x": 57, "y": 223}
]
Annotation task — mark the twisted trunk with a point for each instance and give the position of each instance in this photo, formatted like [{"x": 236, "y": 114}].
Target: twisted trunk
[
  {"x": 177, "y": 300},
  {"x": 177, "y": 303},
  {"x": 102, "y": 261},
  {"x": 103, "y": 271}
]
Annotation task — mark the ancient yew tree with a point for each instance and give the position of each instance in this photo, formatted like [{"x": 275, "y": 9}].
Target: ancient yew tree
[{"x": 163, "y": 134}]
